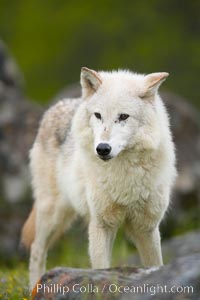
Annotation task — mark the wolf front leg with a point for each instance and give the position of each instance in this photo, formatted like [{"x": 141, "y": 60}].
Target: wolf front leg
[
  {"x": 101, "y": 238},
  {"x": 149, "y": 247}
]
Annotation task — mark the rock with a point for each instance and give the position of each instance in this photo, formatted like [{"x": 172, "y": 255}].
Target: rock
[
  {"x": 181, "y": 245},
  {"x": 184, "y": 210},
  {"x": 178, "y": 280},
  {"x": 175, "y": 247},
  {"x": 18, "y": 124},
  {"x": 9, "y": 72},
  {"x": 71, "y": 91}
]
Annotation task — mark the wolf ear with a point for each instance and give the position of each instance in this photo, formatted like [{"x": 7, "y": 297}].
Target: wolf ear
[
  {"x": 152, "y": 83},
  {"x": 90, "y": 81}
]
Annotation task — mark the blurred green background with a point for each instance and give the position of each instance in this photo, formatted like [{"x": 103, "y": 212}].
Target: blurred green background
[{"x": 52, "y": 39}]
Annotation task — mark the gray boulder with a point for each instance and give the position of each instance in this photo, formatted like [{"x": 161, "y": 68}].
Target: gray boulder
[
  {"x": 18, "y": 124},
  {"x": 175, "y": 247},
  {"x": 178, "y": 280}
]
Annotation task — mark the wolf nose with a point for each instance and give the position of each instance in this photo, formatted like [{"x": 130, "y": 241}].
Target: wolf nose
[{"x": 103, "y": 149}]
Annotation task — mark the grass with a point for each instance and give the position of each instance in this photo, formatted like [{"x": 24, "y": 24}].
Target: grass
[{"x": 14, "y": 283}]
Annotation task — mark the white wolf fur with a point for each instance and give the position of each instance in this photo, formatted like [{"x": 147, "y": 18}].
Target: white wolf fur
[{"x": 133, "y": 186}]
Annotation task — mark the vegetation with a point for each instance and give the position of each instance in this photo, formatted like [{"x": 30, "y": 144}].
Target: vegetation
[{"x": 51, "y": 40}]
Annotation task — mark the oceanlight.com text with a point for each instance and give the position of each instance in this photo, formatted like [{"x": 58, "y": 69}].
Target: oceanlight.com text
[{"x": 114, "y": 288}]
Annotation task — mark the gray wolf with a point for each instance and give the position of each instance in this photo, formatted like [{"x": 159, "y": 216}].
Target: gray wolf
[{"x": 108, "y": 157}]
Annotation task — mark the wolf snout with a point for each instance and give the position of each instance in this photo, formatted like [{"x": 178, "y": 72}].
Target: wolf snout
[{"x": 104, "y": 150}]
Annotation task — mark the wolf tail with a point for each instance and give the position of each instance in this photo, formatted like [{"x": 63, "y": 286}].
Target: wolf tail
[{"x": 28, "y": 230}]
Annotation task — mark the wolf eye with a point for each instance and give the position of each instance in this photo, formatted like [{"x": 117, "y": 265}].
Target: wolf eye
[
  {"x": 123, "y": 117},
  {"x": 97, "y": 115}
]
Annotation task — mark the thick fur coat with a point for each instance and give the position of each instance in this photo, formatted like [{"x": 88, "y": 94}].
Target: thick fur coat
[{"x": 108, "y": 157}]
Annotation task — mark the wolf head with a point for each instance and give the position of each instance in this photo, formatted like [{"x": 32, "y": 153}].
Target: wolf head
[{"x": 122, "y": 109}]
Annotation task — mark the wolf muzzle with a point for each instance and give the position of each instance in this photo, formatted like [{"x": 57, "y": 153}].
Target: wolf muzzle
[{"x": 103, "y": 150}]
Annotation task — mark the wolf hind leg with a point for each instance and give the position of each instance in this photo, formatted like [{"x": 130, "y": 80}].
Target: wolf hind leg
[{"x": 51, "y": 222}]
